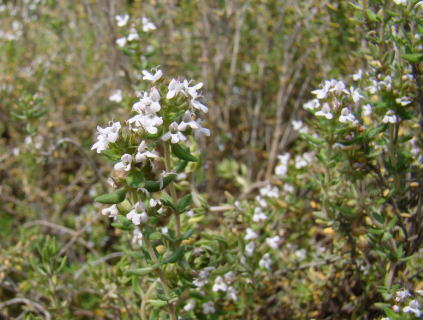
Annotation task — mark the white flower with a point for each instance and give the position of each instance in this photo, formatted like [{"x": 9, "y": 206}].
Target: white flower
[
  {"x": 266, "y": 262},
  {"x": 124, "y": 164},
  {"x": 322, "y": 93},
  {"x": 282, "y": 168},
  {"x": 208, "y": 307},
  {"x": 229, "y": 276},
  {"x": 147, "y": 25},
  {"x": 249, "y": 249},
  {"x": 325, "y": 112},
  {"x": 273, "y": 242},
  {"x": 355, "y": 94},
  {"x": 269, "y": 191},
  {"x": 396, "y": 308},
  {"x": 413, "y": 307},
  {"x": 259, "y": 215},
  {"x": 403, "y": 101},
  {"x": 147, "y": 122},
  {"x": 122, "y": 20},
  {"x": 133, "y": 34},
  {"x": 188, "y": 122},
  {"x": 152, "y": 77},
  {"x": 174, "y": 134},
  {"x": 174, "y": 88},
  {"x": 136, "y": 238},
  {"x": 201, "y": 130},
  {"x": 387, "y": 83},
  {"x": 400, "y": 295},
  {"x": 106, "y": 136},
  {"x": 312, "y": 104},
  {"x": 149, "y": 103},
  {"x": 116, "y": 96},
  {"x": 219, "y": 285},
  {"x": 121, "y": 42},
  {"x": 153, "y": 202},
  {"x": 390, "y": 117},
  {"x": 262, "y": 203},
  {"x": 300, "y": 162},
  {"x": 298, "y": 126},
  {"x": 357, "y": 76},
  {"x": 111, "y": 211},
  {"x": 338, "y": 87},
  {"x": 347, "y": 116},
  {"x": 138, "y": 215},
  {"x": 190, "y": 305},
  {"x": 231, "y": 294},
  {"x": 143, "y": 154},
  {"x": 366, "y": 110},
  {"x": 373, "y": 88},
  {"x": 250, "y": 234},
  {"x": 301, "y": 254},
  {"x": 192, "y": 91},
  {"x": 203, "y": 276},
  {"x": 199, "y": 106},
  {"x": 289, "y": 188}
]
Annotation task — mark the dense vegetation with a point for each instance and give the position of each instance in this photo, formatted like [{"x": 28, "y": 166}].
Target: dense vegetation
[{"x": 255, "y": 159}]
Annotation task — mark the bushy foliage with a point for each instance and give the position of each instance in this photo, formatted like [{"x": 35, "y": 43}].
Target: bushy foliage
[{"x": 285, "y": 182}]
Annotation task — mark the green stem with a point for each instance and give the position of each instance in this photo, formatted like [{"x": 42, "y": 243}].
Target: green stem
[
  {"x": 166, "y": 148},
  {"x": 145, "y": 297},
  {"x": 150, "y": 250}
]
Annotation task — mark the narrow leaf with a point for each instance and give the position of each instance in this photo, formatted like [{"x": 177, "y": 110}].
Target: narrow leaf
[
  {"x": 182, "y": 153},
  {"x": 112, "y": 198}
]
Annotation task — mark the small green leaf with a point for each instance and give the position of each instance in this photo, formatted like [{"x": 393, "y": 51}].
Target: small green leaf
[
  {"x": 154, "y": 186},
  {"x": 155, "y": 236},
  {"x": 312, "y": 139},
  {"x": 157, "y": 303},
  {"x": 386, "y": 236},
  {"x": 187, "y": 234},
  {"x": 111, "y": 154},
  {"x": 413, "y": 57},
  {"x": 124, "y": 207},
  {"x": 183, "y": 203},
  {"x": 120, "y": 226},
  {"x": 136, "y": 285},
  {"x": 180, "y": 166},
  {"x": 140, "y": 271},
  {"x": 123, "y": 223},
  {"x": 373, "y": 132},
  {"x": 167, "y": 201},
  {"x": 182, "y": 153},
  {"x": 135, "y": 179},
  {"x": 174, "y": 256},
  {"x": 371, "y": 15},
  {"x": 112, "y": 198},
  {"x": 378, "y": 218}
]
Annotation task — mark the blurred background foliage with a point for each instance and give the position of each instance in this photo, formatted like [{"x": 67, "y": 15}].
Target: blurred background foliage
[{"x": 59, "y": 63}]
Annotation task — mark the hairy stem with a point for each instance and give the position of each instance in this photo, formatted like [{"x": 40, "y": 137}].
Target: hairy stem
[
  {"x": 163, "y": 280},
  {"x": 172, "y": 187}
]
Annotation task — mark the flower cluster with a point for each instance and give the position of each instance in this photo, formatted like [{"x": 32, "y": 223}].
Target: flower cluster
[
  {"x": 170, "y": 115},
  {"x": 406, "y": 303},
  {"x": 132, "y": 34}
]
